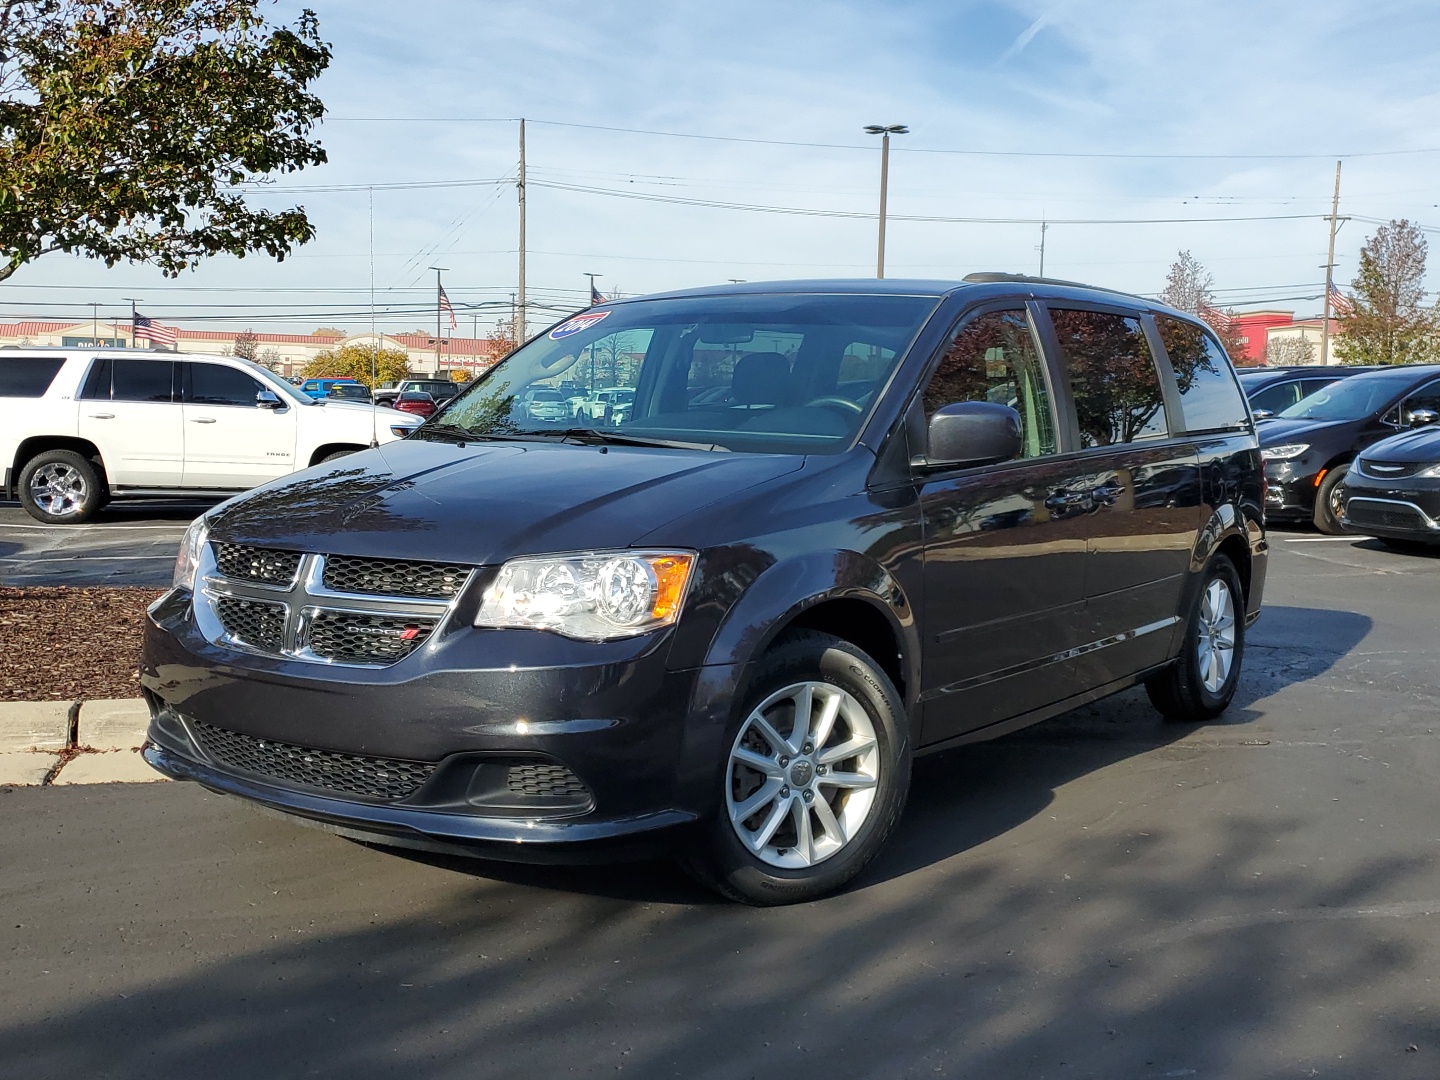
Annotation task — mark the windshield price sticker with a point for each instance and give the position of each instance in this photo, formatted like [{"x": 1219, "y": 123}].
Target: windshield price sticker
[{"x": 578, "y": 323}]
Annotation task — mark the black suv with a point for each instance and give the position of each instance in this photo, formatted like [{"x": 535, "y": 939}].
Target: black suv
[
  {"x": 842, "y": 523},
  {"x": 1308, "y": 447}
]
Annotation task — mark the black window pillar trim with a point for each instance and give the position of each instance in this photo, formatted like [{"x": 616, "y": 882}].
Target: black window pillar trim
[
  {"x": 1169, "y": 385},
  {"x": 1067, "y": 431}
]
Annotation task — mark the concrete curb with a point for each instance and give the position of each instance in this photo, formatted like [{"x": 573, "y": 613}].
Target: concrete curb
[{"x": 44, "y": 743}]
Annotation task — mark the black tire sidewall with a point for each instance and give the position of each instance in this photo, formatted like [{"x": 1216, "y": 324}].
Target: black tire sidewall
[
  {"x": 1325, "y": 520},
  {"x": 1223, "y": 569},
  {"x": 96, "y": 492},
  {"x": 719, "y": 857}
]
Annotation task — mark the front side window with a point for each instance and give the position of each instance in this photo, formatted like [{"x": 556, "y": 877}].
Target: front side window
[
  {"x": 1427, "y": 397},
  {"x": 1112, "y": 377},
  {"x": 993, "y": 358},
  {"x": 1209, "y": 397},
  {"x": 216, "y": 384},
  {"x": 28, "y": 376},
  {"x": 767, "y": 373},
  {"x": 142, "y": 380}
]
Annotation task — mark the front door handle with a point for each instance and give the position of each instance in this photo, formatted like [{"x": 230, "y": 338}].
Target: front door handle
[
  {"x": 202, "y": 419},
  {"x": 1107, "y": 494},
  {"x": 102, "y": 416}
]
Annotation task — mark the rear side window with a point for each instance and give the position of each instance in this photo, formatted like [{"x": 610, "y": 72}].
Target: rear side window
[
  {"x": 1112, "y": 377},
  {"x": 216, "y": 384},
  {"x": 1209, "y": 396},
  {"x": 28, "y": 376},
  {"x": 993, "y": 358},
  {"x": 142, "y": 380}
]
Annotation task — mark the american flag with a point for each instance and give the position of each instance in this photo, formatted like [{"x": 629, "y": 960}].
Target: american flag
[
  {"x": 146, "y": 329},
  {"x": 1340, "y": 303},
  {"x": 446, "y": 307},
  {"x": 595, "y": 296}
]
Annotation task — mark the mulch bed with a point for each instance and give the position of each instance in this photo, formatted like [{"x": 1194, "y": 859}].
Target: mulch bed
[{"x": 78, "y": 644}]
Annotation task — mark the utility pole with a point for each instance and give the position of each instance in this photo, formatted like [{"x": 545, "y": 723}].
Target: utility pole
[
  {"x": 474, "y": 341},
  {"x": 1044, "y": 228},
  {"x": 520, "y": 333},
  {"x": 885, "y": 131},
  {"x": 94, "y": 324},
  {"x": 438, "y": 288},
  {"x": 1330, "y": 271}
]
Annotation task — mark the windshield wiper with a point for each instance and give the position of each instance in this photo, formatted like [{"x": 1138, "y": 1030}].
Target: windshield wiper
[
  {"x": 446, "y": 432},
  {"x": 597, "y": 437}
]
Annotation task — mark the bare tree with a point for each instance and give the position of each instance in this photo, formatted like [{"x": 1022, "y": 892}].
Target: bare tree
[
  {"x": 1188, "y": 285},
  {"x": 247, "y": 345},
  {"x": 270, "y": 358},
  {"x": 1387, "y": 324},
  {"x": 1289, "y": 352}
]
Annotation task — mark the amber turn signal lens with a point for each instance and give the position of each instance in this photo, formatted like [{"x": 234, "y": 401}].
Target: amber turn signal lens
[{"x": 671, "y": 574}]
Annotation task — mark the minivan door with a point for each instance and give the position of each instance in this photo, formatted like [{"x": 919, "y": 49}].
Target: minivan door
[
  {"x": 1142, "y": 485},
  {"x": 1004, "y": 558}
]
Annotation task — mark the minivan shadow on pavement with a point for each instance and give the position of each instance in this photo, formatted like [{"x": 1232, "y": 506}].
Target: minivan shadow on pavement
[{"x": 965, "y": 797}]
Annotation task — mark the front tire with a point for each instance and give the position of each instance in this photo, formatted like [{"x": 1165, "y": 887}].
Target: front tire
[
  {"x": 61, "y": 487},
  {"x": 1329, "y": 503},
  {"x": 816, "y": 773},
  {"x": 1201, "y": 683}
]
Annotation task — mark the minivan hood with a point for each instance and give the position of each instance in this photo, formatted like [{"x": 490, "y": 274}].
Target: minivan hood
[
  {"x": 488, "y": 501},
  {"x": 1277, "y": 432},
  {"x": 1422, "y": 444}
]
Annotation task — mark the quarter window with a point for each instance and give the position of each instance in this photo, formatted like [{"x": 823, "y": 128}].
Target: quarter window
[
  {"x": 1112, "y": 377},
  {"x": 1209, "y": 397},
  {"x": 216, "y": 384},
  {"x": 28, "y": 376},
  {"x": 993, "y": 358}
]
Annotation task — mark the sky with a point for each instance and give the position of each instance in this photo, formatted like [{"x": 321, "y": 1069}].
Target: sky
[{"x": 1124, "y": 123}]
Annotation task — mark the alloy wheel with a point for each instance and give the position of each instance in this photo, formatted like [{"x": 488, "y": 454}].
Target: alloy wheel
[
  {"x": 58, "y": 489},
  {"x": 1216, "y": 643},
  {"x": 798, "y": 798}
]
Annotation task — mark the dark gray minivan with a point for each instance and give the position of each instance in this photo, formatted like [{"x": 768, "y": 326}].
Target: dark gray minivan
[{"x": 841, "y": 523}]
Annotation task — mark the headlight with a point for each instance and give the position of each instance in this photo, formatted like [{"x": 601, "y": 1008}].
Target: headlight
[
  {"x": 592, "y": 595},
  {"x": 189, "y": 557},
  {"x": 1288, "y": 452},
  {"x": 1429, "y": 471}
]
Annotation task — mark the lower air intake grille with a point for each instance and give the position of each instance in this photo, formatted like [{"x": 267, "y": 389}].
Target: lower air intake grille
[
  {"x": 373, "y": 778},
  {"x": 254, "y": 623},
  {"x": 351, "y": 637},
  {"x": 246, "y": 563},
  {"x": 392, "y": 577},
  {"x": 555, "y": 781},
  {"x": 1365, "y": 512}
]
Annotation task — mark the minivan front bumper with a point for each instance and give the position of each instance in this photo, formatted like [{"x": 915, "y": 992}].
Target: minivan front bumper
[{"x": 426, "y": 753}]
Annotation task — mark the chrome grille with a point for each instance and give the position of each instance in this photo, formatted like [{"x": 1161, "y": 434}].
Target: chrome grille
[
  {"x": 333, "y": 609},
  {"x": 392, "y": 577},
  {"x": 257, "y": 564},
  {"x": 555, "y": 781},
  {"x": 390, "y": 779},
  {"x": 256, "y": 623},
  {"x": 1388, "y": 470},
  {"x": 354, "y": 637}
]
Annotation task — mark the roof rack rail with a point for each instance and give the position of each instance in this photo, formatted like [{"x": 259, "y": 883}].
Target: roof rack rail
[{"x": 986, "y": 276}]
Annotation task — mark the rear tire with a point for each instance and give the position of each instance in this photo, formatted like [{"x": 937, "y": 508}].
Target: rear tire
[
  {"x": 61, "y": 487},
  {"x": 1201, "y": 683},
  {"x": 1328, "y": 502},
  {"x": 335, "y": 455},
  {"x": 802, "y": 808}
]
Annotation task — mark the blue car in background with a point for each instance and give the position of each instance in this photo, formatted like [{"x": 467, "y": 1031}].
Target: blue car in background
[{"x": 321, "y": 388}]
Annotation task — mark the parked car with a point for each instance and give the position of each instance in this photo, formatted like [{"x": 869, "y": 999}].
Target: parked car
[
  {"x": 726, "y": 628},
  {"x": 440, "y": 390},
  {"x": 1392, "y": 490},
  {"x": 416, "y": 402},
  {"x": 321, "y": 388},
  {"x": 78, "y": 428},
  {"x": 1272, "y": 390},
  {"x": 545, "y": 405},
  {"x": 347, "y": 391},
  {"x": 1309, "y": 446},
  {"x": 608, "y": 405}
]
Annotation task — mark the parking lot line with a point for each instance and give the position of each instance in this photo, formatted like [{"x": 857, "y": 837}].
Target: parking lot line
[
  {"x": 179, "y": 526},
  {"x": 92, "y": 558},
  {"x": 1325, "y": 539}
]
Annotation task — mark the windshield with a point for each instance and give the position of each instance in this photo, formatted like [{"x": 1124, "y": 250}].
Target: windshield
[
  {"x": 795, "y": 374},
  {"x": 350, "y": 390},
  {"x": 1350, "y": 399}
]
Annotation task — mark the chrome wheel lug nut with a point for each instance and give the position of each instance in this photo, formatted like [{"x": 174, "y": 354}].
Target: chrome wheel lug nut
[
  {"x": 784, "y": 761},
  {"x": 809, "y": 796},
  {"x": 821, "y": 770},
  {"x": 784, "y": 792},
  {"x": 807, "y": 748}
]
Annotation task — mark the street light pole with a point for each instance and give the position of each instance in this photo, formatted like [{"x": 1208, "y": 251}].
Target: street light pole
[
  {"x": 438, "y": 288},
  {"x": 133, "y": 301},
  {"x": 884, "y": 131}
]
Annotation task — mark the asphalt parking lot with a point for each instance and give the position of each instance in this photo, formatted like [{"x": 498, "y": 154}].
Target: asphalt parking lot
[
  {"x": 129, "y": 543},
  {"x": 1104, "y": 895}
]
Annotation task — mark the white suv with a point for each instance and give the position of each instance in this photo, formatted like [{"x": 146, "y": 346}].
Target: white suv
[{"x": 80, "y": 426}]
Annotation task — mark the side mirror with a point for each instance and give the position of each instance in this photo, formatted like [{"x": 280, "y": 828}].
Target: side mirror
[
  {"x": 1262, "y": 414},
  {"x": 972, "y": 433},
  {"x": 1423, "y": 417},
  {"x": 268, "y": 399}
]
